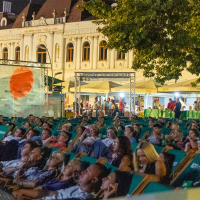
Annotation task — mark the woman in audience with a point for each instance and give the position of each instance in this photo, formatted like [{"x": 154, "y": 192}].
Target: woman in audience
[
  {"x": 68, "y": 178},
  {"x": 116, "y": 184},
  {"x": 168, "y": 159},
  {"x": 137, "y": 130},
  {"x": 59, "y": 142},
  {"x": 42, "y": 176},
  {"x": 66, "y": 127},
  {"x": 175, "y": 139},
  {"x": 147, "y": 161},
  {"x": 191, "y": 140},
  {"x": 85, "y": 144},
  {"x": 130, "y": 134}
]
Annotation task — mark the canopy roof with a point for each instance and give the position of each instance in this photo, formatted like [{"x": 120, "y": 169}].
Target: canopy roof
[
  {"x": 97, "y": 87},
  {"x": 184, "y": 86},
  {"x": 140, "y": 87}
]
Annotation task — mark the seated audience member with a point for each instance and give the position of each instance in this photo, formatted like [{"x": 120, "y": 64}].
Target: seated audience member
[
  {"x": 100, "y": 147},
  {"x": 147, "y": 161},
  {"x": 116, "y": 184},
  {"x": 85, "y": 144},
  {"x": 17, "y": 135},
  {"x": 42, "y": 176},
  {"x": 129, "y": 133},
  {"x": 66, "y": 127},
  {"x": 9, "y": 167},
  {"x": 68, "y": 178},
  {"x": 155, "y": 137},
  {"x": 26, "y": 125},
  {"x": 137, "y": 131},
  {"x": 46, "y": 125},
  {"x": 46, "y": 133},
  {"x": 151, "y": 123},
  {"x": 191, "y": 140},
  {"x": 58, "y": 142},
  {"x": 175, "y": 139},
  {"x": 89, "y": 183},
  {"x": 168, "y": 159}
]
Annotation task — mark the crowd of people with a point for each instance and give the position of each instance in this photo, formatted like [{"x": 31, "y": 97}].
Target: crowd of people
[{"x": 35, "y": 163}]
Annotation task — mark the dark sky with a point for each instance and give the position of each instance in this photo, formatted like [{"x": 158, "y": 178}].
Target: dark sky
[{"x": 19, "y": 5}]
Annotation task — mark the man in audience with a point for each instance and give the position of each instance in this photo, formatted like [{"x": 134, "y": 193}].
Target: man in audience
[
  {"x": 17, "y": 136},
  {"x": 88, "y": 184},
  {"x": 9, "y": 167},
  {"x": 171, "y": 105},
  {"x": 46, "y": 133},
  {"x": 46, "y": 125}
]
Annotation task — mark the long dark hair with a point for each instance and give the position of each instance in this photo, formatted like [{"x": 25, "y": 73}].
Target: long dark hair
[{"x": 125, "y": 148}]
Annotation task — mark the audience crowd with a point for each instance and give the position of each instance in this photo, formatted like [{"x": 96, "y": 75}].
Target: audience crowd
[{"x": 92, "y": 158}]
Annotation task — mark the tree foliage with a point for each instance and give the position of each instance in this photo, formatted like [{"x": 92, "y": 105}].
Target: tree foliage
[{"x": 163, "y": 34}]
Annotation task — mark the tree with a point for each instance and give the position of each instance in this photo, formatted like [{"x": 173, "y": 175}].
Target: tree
[{"x": 163, "y": 34}]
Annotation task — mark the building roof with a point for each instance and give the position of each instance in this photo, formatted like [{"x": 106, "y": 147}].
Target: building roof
[
  {"x": 50, "y": 5},
  {"x": 28, "y": 11}
]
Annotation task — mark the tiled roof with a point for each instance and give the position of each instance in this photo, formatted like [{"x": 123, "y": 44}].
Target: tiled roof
[
  {"x": 75, "y": 13},
  {"x": 51, "y": 5}
]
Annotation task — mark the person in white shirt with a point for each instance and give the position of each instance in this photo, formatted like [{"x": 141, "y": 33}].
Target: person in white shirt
[
  {"x": 89, "y": 183},
  {"x": 17, "y": 136},
  {"x": 11, "y": 167},
  {"x": 46, "y": 133}
]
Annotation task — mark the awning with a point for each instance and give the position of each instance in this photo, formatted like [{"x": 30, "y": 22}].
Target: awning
[
  {"x": 97, "y": 87},
  {"x": 184, "y": 86},
  {"x": 140, "y": 87},
  {"x": 55, "y": 80}
]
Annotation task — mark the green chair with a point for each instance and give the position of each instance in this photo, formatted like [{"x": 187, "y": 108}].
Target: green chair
[
  {"x": 111, "y": 168},
  {"x": 68, "y": 157},
  {"x": 153, "y": 187},
  {"x": 54, "y": 149},
  {"x": 3, "y": 131},
  {"x": 134, "y": 146},
  {"x": 158, "y": 149},
  {"x": 89, "y": 159},
  {"x": 189, "y": 173},
  {"x": 136, "y": 180},
  {"x": 179, "y": 156}
]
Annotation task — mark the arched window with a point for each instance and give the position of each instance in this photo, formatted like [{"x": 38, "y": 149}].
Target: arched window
[
  {"x": 120, "y": 56},
  {"x": 5, "y": 53},
  {"x": 103, "y": 51},
  {"x": 41, "y": 54},
  {"x": 86, "y": 51},
  {"x": 70, "y": 52},
  {"x": 17, "y": 53}
]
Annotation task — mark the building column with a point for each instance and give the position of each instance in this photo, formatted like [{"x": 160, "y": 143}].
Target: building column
[
  {"x": 22, "y": 47},
  {"x": 127, "y": 60},
  {"x": 62, "y": 55},
  {"x": 50, "y": 48},
  {"x": 130, "y": 58},
  {"x": 91, "y": 52},
  {"x": 79, "y": 50},
  {"x": 1, "y": 52},
  {"x": 31, "y": 48},
  {"x": 108, "y": 57},
  {"x": 75, "y": 52},
  {"x": 9, "y": 51},
  {"x": 95, "y": 54},
  {"x": 112, "y": 59},
  {"x": 12, "y": 51}
]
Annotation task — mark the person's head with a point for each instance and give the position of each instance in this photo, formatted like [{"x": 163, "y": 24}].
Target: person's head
[
  {"x": 56, "y": 160},
  {"x": 136, "y": 127},
  {"x": 35, "y": 155},
  {"x": 108, "y": 99},
  {"x": 95, "y": 98},
  {"x": 26, "y": 125},
  {"x": 76, "y": 99},
  {"x": 111, "y": 132},
  {"x": 20, "y": 132},
  {"x": 73, "y": 169},
  {"x": 122, "y": 179},
  {"x": 195, "y": 102},
  {"x": 94, "y": 130},
  {"x": 122, "y": 146},
  {"x": 175, "y": 126},
  {"x": 91, "y": 178},
  {"x": 101, "y": 113},
  {"x": 177, "y": 99},
  {"x": 193, "y": 133},
  {"x": 80, "y": 129},
  {"x": 170, "y": 100},
  {"x": 157, "y": 128},
  {"x": 190, "y": 107},
  {"x": 85, "y": 118},
  {"x": 37, "y": 120},
  {"x": 32, "y": 133},
  {"x": 46, "y": 133},
  {"x": 28, "y": 147},
  {"x": 151, "y": 123},
  {"x": 194, "y": 126},
  {"x": 45, "y": 125},
  {"x": 66, "y": 127},
  {"x": 145, "y": 154},
  {"x": 64, "y": 137},
  {"x": 129, "y": 131},
  {"x": 177, "y": 135}
]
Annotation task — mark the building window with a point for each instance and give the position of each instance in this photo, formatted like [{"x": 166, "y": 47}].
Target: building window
[
  {"x": 120, "y": 56},
  {"x": 86, "y": 51},
  {"x": 103, "y": 51},
  {"x": 17, "y": 54},
  {"x": 41, "y": 54},
  {"x": 70, "y": 52},
  {"x": 5, "y": 53}
]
